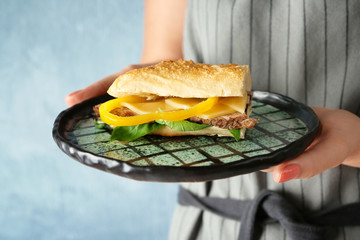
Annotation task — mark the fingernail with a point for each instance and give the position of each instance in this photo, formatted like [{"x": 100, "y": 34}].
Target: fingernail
[
  {"x": 73, "y": 93},
  {"x": 287, "y": 173}
]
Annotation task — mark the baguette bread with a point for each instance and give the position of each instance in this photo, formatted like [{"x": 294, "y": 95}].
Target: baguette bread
[
  {"x": 184, "y": 79},
  {"x": 173, "y": 91}
]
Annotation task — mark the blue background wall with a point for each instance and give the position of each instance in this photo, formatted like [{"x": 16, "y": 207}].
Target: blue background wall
[{"x": 48, "y": 49}]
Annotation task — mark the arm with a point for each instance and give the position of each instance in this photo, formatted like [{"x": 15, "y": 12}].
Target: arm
[
  {"x": 163, "y": 33},
  {"x": 163, "y": 30},
  {"x": 338, "y": 143}
]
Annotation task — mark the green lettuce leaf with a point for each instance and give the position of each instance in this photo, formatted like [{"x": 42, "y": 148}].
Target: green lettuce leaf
[
  {"x": 182, "y": 125},
  {"x": 99, "y": 124},
  {"x": 235, "y": 133},
  {"x": 129, "y": 133}
]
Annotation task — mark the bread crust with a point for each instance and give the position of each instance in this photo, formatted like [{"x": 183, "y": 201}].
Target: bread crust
[{"x": 184, "y": 79}]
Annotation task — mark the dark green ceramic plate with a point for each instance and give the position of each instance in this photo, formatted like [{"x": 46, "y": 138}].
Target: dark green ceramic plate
[{"x": 285, "y": 129}]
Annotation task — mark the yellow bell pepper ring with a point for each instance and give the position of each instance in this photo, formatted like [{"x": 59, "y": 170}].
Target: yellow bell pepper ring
[{"x": 112, "y": 119}]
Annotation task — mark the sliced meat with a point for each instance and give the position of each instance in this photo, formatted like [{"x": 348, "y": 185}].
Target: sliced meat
[
  {"x": 121, "y": 112},
  {"x": 230, "y": 121},
  {"x": 96, "y": 110}
]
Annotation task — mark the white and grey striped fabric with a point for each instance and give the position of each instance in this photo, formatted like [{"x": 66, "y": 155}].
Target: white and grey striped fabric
[{"x": 306, "y": 49}]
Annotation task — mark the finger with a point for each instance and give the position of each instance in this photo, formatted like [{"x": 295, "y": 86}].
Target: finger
[
  {"x": 270, "y": 169},
  {"x": 315, "y": 160}
]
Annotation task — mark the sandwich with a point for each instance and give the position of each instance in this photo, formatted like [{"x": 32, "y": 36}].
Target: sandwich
[{"x": 177, "y": 98}]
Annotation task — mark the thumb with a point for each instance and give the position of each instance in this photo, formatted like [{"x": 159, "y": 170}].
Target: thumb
[
  {"x": 100, "y": 87},
  {"x": 96, "y": 89}
]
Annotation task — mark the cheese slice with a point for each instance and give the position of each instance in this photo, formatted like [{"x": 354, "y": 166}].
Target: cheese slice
[
  {"x": 218, "y": 110},
  {"x": 226, "y": 105},
  {"x": 183, "y": 103},
  {"x": 236, "y": 103},
  {"x": 149, "y": 107}
]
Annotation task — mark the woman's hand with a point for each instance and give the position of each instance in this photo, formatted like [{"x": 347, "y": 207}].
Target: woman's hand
[
  {"x": 338, "y": 143},
  {"x": 98, "y": 88}
]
